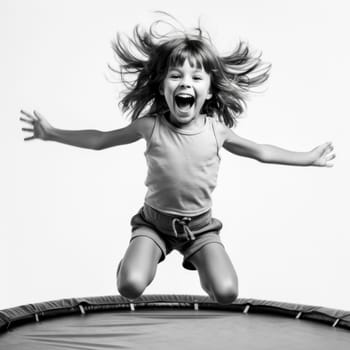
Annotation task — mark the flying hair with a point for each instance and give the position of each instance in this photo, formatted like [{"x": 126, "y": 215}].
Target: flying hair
[{"x": 144, "y": 60}]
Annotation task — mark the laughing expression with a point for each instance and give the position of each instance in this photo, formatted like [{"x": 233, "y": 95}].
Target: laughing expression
[{"x": 185, "y": 89}]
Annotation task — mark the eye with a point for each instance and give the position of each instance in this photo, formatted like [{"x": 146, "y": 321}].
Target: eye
[
  {"x": 174, "y": 75},
  {"x": 197, "y": 77}
]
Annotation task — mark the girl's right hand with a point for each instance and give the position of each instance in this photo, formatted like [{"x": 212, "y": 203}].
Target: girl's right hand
[{"x": 40, "y": 128}]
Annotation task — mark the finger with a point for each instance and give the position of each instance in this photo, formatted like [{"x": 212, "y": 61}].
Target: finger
[
  {"x": 27, "y": 129},
  {"x": 29, "y": 138},
  {"x": 331, "y": 157},
  {"x": 38, "y": 115},
  {"x": 326, "y": 152},
  {"x": 31, "y": 122},
  {"x": 27, "y": 114},
  {"x": 329, "y": 148},
  {"x": 328, "y": 160},
  {"x": 321, "y": 148}
]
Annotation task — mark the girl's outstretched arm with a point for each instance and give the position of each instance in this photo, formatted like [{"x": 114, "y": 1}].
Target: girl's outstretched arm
[
  {"x": 92, "y": 139},
  {"x": 319, "y": 156}
]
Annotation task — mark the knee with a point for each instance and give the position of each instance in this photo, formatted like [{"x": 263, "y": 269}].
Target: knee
[
  {"x": 226, "y": 293},
  {"x": 131, "y": 286}
]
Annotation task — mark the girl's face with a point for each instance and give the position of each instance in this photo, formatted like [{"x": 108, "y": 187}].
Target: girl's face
[{"x": 185, "y": 89}]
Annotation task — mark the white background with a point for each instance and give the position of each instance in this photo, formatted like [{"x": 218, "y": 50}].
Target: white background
[{"x": 65, "y": 211}]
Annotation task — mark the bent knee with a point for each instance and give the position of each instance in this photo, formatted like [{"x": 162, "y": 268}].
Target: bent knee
[
  {"x": 131, "y": 286},
  {"x": 226, "y": 294}
]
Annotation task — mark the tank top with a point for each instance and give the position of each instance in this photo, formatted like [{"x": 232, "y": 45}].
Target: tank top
[{"x": 182, "y": 167}]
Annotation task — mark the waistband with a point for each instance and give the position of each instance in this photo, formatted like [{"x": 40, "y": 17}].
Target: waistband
[{"x": 176, "y": 225}]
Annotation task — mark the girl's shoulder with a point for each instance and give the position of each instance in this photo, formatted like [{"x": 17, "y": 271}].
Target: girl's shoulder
[
  {"x": 145, "y": 125},
  {"x": 221, "y": 130}
]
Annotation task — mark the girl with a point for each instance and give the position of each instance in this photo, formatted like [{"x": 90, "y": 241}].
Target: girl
[{"x": 184, "y": 98}]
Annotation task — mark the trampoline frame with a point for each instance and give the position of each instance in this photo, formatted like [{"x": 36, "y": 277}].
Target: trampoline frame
[{"x": 38, "y": 312}]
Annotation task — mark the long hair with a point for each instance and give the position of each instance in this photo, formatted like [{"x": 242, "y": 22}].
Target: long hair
[{"x": 146, "y": 57}]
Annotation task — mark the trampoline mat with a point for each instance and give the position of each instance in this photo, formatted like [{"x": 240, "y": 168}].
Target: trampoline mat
[{"x": 175, "y": 329}]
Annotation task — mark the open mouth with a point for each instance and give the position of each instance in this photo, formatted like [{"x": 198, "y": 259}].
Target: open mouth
[{"x": 184, "y": 102}]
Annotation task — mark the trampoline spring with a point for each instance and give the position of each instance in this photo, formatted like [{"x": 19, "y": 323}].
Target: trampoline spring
[
  {"x": 196, "y": 306},
  {"x": 298, "y": 315},
  {"x": 36, "y": 318},
  {"x": 246, "y": 309},
  {"x": 335, "y": 323},
  {"x": 132, "y": 307},
  {"x": 82, "y": 310}
]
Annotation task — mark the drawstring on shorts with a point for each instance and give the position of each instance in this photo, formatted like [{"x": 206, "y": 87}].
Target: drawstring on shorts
[{"x": 184, "y": 223}]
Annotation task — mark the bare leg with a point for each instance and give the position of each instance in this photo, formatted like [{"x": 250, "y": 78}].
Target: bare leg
[
  {"x": 216, "y": 272},
  {"x": 138, "y": 267}
]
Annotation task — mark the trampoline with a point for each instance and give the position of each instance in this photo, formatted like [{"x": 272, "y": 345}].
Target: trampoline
[{"x": 172, "y": 322}]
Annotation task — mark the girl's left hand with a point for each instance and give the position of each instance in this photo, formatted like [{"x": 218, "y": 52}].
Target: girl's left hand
[
  {"x": 39, "y": 126},
  {"x": 322, "y": 155}
]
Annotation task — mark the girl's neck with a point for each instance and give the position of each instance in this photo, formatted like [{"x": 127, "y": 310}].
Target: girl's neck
[{"x": 194, "y": 125}]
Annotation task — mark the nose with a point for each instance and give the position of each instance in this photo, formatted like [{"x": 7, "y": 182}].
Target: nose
[{"x": 185, "y": 82}]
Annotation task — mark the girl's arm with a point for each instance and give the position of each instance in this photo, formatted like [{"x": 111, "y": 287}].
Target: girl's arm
[
  {"x": 319, "y": 156},
  {"x": 92, "y": 139}
]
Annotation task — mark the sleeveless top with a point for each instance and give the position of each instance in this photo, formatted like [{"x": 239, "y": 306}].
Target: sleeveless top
[{"x": 182, "y": 167}]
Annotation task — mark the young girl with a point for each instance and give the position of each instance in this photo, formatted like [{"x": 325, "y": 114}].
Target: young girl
[{"x": 184, "y": 99}]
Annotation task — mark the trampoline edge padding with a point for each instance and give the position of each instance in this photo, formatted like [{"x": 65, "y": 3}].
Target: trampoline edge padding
[{"x": 12, "y": 317}]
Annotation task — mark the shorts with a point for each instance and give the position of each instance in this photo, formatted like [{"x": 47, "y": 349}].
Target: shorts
[{"x": 184, "y": 234}]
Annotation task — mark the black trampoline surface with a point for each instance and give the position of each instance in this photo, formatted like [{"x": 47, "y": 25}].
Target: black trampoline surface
[{"x": 172, "y": 322}]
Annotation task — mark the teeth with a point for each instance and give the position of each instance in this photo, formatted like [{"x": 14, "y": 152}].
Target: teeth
[{"x": 184, "y": 95}]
